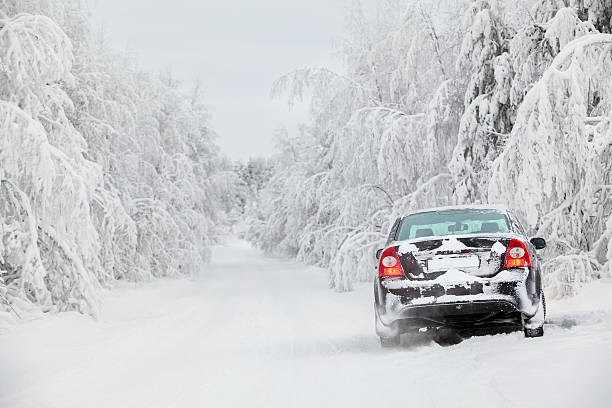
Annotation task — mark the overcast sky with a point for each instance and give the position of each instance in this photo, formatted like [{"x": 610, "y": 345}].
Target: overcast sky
[{"x": 237, "y": 49}]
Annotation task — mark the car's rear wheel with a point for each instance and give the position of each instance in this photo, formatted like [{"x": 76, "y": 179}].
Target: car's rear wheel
[
  {"x": 388, "y": 342},
  {"x": 445, "y": 336},
  {"x": 534, "y": 327},
  {"x": 537, "y": 332}
]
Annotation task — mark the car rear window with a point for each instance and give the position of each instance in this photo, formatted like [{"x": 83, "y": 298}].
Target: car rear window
[{"x": 453, "y": 222}]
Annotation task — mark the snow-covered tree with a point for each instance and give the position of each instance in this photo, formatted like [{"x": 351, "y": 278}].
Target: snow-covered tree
[
  {"x": 106, "y": 172},
  {"x": 379, "y": 131},
  {"x": 534, "y": 47},
  {"x": 253, "y": 175},
  {"x": 51, "y": 255},
  {"x": 555, "y": 166},
  {"x": 596, "y": 12},
  {"x": 488, "y": 114},
  {"x": 432, "y": 111}
]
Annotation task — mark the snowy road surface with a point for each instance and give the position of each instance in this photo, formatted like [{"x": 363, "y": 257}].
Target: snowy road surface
[{"x": 260, "y": 332}]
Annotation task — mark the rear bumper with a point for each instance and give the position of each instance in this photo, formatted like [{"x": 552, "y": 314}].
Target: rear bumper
[{"x": 405, "y": 305}]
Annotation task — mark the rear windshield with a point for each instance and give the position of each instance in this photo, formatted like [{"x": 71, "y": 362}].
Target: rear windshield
[{"x": 453, "y": 222}]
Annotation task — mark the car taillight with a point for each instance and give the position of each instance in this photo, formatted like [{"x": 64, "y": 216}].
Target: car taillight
[
  {"x": 389, "y": 265},
  {"x": 517, "y": 255}
]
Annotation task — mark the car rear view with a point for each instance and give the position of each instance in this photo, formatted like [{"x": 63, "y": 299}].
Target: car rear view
[{"x": 458, "y": 268}]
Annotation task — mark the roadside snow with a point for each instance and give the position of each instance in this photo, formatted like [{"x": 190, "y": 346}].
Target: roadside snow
[{"x": 260, "y": 332}]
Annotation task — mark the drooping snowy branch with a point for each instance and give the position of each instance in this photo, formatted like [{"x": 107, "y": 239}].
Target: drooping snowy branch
[
  {"x": 105, "y": 172},
  {"x": 499, "y": 121},
  {"x": 553, "y": 169}
]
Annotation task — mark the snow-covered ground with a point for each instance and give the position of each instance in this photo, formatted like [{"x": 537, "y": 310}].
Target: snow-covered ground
[{"x": 260, "y": 332}]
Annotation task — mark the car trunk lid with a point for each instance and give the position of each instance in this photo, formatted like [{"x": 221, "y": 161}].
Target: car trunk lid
[{"x": 428, "y": 259}]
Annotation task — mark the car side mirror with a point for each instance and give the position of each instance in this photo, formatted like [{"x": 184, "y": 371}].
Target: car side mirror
[
  {"x": 378, "y": 253},
  {"x": 538, "y": 243}
]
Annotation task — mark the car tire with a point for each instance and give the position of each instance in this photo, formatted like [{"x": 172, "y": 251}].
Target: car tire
[
  {"x": 446, "y": 337},
  {"x": 389, "y": 342},
  {"x": 538, "y": 331},
  {"x": 544, "y": 304}
]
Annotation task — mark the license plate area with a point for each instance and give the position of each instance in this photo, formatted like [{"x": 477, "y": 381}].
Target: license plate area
[{"x": 444, "y": 263}]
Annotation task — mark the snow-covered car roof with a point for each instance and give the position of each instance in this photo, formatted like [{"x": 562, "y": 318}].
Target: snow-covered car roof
[{"x": 462, "y": 207}]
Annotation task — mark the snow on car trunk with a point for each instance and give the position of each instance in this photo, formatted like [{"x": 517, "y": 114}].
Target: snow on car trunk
[{"x": 431, "y": 258}]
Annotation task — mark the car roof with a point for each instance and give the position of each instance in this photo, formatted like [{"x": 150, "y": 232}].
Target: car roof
[{"x": 461, "y": 207}]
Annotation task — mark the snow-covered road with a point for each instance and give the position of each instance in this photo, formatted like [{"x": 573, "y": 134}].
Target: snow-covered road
[{"x": 261, "y": 332}]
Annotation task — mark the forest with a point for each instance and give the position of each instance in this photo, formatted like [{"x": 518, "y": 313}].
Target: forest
[
  {"x": 106, "y": 172},
  {"x": 109, "y": 172},
  {"x": 441, "y": 103}
]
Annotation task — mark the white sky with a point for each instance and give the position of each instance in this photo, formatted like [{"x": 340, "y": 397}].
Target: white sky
[{"x": 237, "y": 49}]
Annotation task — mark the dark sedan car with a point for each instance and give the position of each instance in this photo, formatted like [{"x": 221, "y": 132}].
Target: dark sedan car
[{"x": 458, "y": 268}]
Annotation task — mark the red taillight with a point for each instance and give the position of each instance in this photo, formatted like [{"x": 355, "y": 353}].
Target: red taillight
[
  {"x": 517, "y": 255},
  {"x": 389, "y": 264}
]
